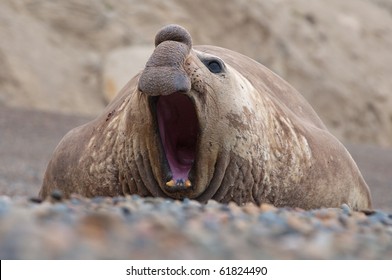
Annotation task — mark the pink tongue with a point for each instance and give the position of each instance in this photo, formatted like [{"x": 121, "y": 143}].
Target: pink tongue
[{"x": 177, "y": 123}]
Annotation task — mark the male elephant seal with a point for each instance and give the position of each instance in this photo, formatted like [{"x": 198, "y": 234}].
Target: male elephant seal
[{"x": 207, "y": 123}]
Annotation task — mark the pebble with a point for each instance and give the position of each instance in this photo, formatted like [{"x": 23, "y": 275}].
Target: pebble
[
  {"x": 56, "y": 195},
  {"x": 4, "y": 205},
  {"x": 35, "y": 200},
  {"x": 133, "y": 227},
  {"x": 265, "y": 207},
  {"x": 346, "y": 209},
  {"x": 251, "y": 209},
  {"x": 380, "y": 217}
]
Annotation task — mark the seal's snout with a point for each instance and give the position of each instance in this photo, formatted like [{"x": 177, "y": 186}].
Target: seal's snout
[{"x": 164, "y": 73}]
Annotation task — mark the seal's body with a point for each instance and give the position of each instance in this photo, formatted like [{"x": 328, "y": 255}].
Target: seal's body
[{"x": 207, "y": 123}]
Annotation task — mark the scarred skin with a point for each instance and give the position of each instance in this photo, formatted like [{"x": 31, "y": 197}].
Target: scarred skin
[{"x": 258, "y": 140}]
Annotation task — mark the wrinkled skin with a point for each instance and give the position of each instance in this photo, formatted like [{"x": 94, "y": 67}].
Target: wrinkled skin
[{"x": 245, "y": 135}]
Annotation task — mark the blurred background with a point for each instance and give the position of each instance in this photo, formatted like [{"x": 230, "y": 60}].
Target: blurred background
[{"x": 62, "y": 61}]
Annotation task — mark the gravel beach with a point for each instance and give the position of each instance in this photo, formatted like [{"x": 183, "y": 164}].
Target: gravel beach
[{"x": 155, "y": 228}]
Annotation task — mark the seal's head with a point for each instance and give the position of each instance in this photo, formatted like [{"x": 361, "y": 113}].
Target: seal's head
[{"x": 204, "y": 122}]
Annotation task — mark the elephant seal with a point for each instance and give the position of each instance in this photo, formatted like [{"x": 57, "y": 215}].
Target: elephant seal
[{"x": 206, "y": 123}]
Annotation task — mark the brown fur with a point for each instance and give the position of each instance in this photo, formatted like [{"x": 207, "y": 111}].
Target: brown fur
[{"x": 260, "y": 141}]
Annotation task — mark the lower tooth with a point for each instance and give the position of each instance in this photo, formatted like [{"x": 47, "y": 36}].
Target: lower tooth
[
  {"x": 188, "y": 183},
  {"x": 170, "y": 183}
]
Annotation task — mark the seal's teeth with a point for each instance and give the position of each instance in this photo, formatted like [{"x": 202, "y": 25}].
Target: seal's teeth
[
  {"x": 188, "y": 183},
  {"x": 178, "y": 183},
  {"x": 171, "y": 183}
]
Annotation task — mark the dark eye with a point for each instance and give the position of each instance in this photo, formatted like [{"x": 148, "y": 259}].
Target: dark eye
[{"x": 215, "y": 66}]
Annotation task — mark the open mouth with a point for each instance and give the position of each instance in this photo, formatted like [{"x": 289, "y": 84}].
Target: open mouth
[{"x": 178, "y": 129}]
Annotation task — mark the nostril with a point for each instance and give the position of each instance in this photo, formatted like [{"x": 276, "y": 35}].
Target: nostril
[{"x": 182, "y": 83}]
